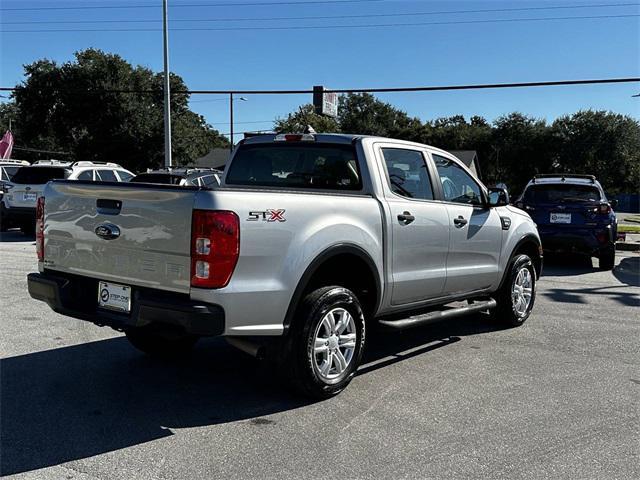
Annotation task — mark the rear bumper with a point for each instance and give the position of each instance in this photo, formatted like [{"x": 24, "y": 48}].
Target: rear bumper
[
  {"x": 76, "y": 297},
  {"x": 588, "y": 241}
]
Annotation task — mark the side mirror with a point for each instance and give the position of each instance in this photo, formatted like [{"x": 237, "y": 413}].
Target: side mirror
[
  {"x": 498, "y": 197},
  {"x": 613, "y": 203}
]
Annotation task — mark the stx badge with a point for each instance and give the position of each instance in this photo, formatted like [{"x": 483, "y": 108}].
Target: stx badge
[{"x": 268, "y": 215}]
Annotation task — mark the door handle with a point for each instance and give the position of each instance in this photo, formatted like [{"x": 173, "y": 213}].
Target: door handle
[
  {"x": 406, "y": 217},
  {"x": 460, "y": 221}
]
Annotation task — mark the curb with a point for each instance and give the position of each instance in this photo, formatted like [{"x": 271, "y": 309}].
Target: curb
[{"x": 628, "y": 247}]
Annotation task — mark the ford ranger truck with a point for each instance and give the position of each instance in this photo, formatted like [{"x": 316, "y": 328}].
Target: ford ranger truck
[{"x": 309, "y": 241}]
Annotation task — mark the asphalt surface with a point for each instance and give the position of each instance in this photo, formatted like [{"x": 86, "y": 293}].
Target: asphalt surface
[{"x": 556, "y": 398}]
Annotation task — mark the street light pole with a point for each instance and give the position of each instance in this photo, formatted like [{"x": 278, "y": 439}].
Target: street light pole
[
  {"x": 168, "y": 163},
  {"x": 231, "y": 99},
  {"x": 231, "y": 121}
]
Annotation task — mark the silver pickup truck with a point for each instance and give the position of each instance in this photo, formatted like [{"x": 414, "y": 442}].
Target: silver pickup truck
[{"x": 310, "y": 239}]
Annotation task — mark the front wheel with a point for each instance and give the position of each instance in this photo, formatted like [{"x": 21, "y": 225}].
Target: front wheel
[
  {"x": 160, "y": 344},
  {"x": 518, "y": 292},
  {"x": 324, "y": 347}
]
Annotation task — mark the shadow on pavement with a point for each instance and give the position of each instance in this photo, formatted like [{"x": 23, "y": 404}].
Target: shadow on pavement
[
  {"x": 567, "y": 265},
  {"x": 628, "y": 271},
  {"x": 16, "y": 236},
  {"x": 76, "y": 402},
  {"x": 617, "y": 293}
]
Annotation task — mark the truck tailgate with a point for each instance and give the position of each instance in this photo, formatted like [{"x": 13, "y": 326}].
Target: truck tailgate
[{"x": 152, "y": 248}]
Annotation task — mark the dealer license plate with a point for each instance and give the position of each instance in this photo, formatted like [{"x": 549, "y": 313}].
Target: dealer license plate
[
  {"x": 29, "y": 197},
  {"x": 114, "y": 296},
  {"x": 560, "y": 218}
]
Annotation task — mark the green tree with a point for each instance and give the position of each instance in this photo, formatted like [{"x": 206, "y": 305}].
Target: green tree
[
  {"x": 73, "y": 108},
  {"x": 604, "y": 144},
  {"x": 305, "y": 116},
  {"x": 523, "y": 147},
  {"x": 364, "y": 114}
]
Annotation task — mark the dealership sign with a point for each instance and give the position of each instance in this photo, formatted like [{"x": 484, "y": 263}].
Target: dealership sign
[{"x": 325, "y": 103}]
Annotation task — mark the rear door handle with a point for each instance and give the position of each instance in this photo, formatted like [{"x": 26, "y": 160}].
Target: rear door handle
[
  {"x": 406, "y": 217},
  {"x": 460, "y": 221}
]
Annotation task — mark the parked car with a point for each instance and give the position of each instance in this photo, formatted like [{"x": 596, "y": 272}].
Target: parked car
[
  {"x": 201, "y": 177},
  {"x": 573, "y": 214},
  {"x": 18, "y": 206},
  {"x": 310, "y": 239},
  {"x": 8, "y": 168}
]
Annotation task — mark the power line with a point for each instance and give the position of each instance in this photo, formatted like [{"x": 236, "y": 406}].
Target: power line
[
  {"x": 188, "y": 5},
  {"x": 326, "y": 27},
  {"x": 482, "y": 86},
  {"x": 328, "y": 17}
]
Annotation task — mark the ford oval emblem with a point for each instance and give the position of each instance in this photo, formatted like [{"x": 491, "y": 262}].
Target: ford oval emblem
[{"x": 108, "y": 231}]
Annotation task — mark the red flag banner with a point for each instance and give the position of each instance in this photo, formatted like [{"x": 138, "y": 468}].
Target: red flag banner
[{"x": 6, "y": 145}]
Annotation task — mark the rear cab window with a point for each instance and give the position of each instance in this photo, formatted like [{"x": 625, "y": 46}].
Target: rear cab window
[
  {"x": 313, "y": 166},
  {"x": 39, "y": 175},
  {"x": 558, "y": 193}
]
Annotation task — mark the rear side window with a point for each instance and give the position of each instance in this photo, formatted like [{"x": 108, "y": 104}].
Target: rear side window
[
  {"x": 561, "y": 193},
  {"x": 124, "y": 175},
  {"x": 209, "y": 180},
  {"x": 295, "y": 165},
  {"x": 107, "y": 176},
  {"x": 407, "y": 173},
  {"x": 8, "y": 172},
  {"x": 39, "y": 175}
]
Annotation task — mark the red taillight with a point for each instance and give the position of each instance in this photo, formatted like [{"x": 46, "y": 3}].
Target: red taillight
[
  {"x": 604, "y": 208},
  {"x": 40, "y": 228},
  {"x": 215, "y": 246}
]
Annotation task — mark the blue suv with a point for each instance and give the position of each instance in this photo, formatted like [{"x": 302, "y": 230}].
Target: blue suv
[{"x": 573, "y": 215}]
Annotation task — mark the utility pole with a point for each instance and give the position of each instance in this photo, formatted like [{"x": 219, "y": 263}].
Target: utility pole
[{"x": 168, "y": 163}]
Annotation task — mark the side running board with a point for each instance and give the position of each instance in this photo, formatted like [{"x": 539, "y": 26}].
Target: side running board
[{"x": 437, "y": 315}]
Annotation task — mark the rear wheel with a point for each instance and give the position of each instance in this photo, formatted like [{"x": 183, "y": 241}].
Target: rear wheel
[
  {"x": 161, "y": 344},
  {"x": 28, "y": 229},
  {"x": 324, "y": 347},
  {"x": 607, "y": 258},
  {"x": 517, "y": 295}
]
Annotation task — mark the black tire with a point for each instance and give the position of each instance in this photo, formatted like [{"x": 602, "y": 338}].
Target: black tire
[
  {"x": 506, "y": 311},
  {"x": 299, "y": 361},
  {"x": 607, "y": 258},
  {"x": 161, "y": 344},
  {"x": 28, "y": 229}
]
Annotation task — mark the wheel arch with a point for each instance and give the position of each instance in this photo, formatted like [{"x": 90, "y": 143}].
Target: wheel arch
[
  {"x": 530, "y": 245},
  {"x": 317, "y": 274}
]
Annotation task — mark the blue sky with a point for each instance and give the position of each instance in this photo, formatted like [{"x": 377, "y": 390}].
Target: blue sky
[{"x": 354, "y": 57}]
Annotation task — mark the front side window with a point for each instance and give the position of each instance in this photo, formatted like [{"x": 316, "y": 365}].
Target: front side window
[
  {"x": 296, "y": 165},
  {"x": 86, "y": 175},
  {"x": 407, "y": 173},
  {"x": 458, "y": 186}
]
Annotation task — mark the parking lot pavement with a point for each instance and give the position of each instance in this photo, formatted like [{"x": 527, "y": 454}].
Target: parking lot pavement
[{"x": 556, "y": 398}]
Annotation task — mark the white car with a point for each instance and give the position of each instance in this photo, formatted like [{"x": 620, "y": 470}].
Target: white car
[{"x": 18, "y": 207}]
